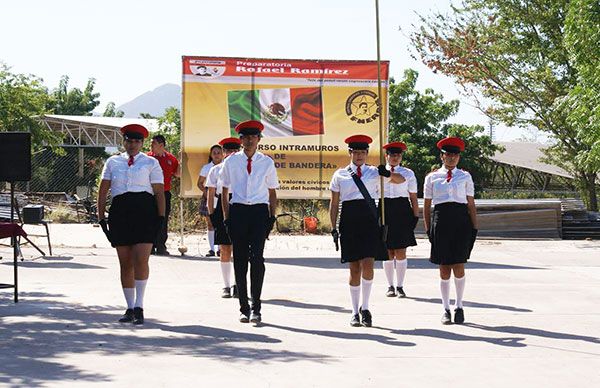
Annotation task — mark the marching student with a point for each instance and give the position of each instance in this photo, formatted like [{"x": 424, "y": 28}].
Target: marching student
[
  {"x": 250, "y": 214},
  {"x": 230, "y": 145},
  {"x": 136, "y": 215},
  {"x": 453, "y": 228},
  {"x": 215, "y": 157},
  {"x": 401, "y": 217},
  {"x": 360, "y": 234}
]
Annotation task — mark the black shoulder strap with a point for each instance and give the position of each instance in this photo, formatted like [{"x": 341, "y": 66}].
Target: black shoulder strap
[{"x": 365, "y": 193}]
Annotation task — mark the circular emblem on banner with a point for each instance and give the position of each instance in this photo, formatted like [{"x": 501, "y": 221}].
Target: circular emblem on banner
[
  {"x": 362, "y": 106},
  {"x": 276, "y": 113}
]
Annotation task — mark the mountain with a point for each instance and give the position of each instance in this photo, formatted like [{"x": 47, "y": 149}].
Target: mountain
[{"x": 154, "y": 102}]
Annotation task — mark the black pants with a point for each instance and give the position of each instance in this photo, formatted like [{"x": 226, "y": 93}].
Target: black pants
[
  {"x": 161, "y": 237},
  {"x": 248, "y": 232}
]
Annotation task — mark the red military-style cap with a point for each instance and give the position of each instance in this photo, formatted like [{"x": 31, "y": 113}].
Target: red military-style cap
[
  {"x": 250, "y": 127},
  {"x": 134, "y": 131},
  {"x": 396, "y": 147},
  {"x": 453, "y": 145},
  {"x": 231, "y": 143},
  {"x": 358, "y": 142}
]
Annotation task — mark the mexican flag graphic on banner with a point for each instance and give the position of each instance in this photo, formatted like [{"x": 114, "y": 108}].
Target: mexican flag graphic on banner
[{"x": 283, "y": 112}]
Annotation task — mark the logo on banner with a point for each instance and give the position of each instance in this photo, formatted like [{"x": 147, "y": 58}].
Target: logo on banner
[
  {"x": 207, "y": 71},
  {"x": 362, "y": 107},
  {"x": 276, "y": 113}
]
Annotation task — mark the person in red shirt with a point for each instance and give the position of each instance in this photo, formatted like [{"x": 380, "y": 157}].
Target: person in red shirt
[{"x": 170, "y": 167}]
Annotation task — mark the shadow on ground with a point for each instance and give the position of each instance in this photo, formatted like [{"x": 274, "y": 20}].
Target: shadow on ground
[
  {"x": 36, "y": 334},
  {"x": 413, "y": 263}
]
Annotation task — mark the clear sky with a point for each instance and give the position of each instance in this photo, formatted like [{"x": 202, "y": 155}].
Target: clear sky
[{"x": 131, "y": 47}]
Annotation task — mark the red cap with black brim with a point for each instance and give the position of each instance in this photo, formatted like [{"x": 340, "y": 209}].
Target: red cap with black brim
[
  {"x": 396, "y": 147},
  {"x": 231, "y": 143},
  {"x": 358, "y": 142},
  {"x": 250, "y": 127},
  {"x": 134, "y": 131},
  {"x": 453, "y": 145}
]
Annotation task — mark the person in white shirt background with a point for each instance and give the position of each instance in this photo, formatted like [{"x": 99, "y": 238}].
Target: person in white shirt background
[
  {"x": 250, "y": 214},
  {"x": 452, "y": 228},
  {"x": 360, "y": 233},
  {"x": 136, "y": 214},
  {"x": 401, "y": 217},
  {"x": 215, "y": 157},
  {"x": 230, "y": 145}
]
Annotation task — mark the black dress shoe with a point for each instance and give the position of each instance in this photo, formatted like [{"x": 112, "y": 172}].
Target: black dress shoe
[
  {"x": 400, "y": 292},
  {"x": 447, "y": 318},
  {"x": 138, "y": 316},
  {"x": 255, "y": 317},
  {"x": 244, "y": 318},
  {"x": 127, "y": 317},
  {"x": 219, "y": 252},
  {"x": 355, "y": 320},
  {"x": 390, "y": 292},
  {"x": 226, "y": 292},
  {"x": 210, "y": 253},
  {"x": 459, "y": 316},
  {"x": 367, "y": 318},
  {"x": 162, "y": 252},
  {"x": 234, "y": 291}
]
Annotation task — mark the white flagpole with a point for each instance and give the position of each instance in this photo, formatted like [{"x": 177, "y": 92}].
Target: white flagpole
[{"x": 380, "y": 108}]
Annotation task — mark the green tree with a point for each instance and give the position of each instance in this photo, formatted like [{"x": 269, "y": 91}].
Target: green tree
[
  {"x": 418, "y": 120},
  {"x": 582, "y": 105},
  {"x": 511, "y": 57},
  {"x": 23, "y": 98},
  {"x": 111, "y": 111},
  {"x": 74, "y": 101}
]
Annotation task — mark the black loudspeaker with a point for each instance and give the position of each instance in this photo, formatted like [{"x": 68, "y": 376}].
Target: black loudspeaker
[
  {"x": 33, "y": 214},
  {"x": 15, "y": 156}
]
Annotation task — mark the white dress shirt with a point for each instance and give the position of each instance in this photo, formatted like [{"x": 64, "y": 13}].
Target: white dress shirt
[
  {"x": 136, "y": 178},
  {"x": 342, "y": 182},
  {"x": 439, "y": 190},
  {"x": 253, "y": 188},
  {"x": 213, "y": 179},
  {"x": 393, "y": 190},
  {"x": 205, "y": 169}
]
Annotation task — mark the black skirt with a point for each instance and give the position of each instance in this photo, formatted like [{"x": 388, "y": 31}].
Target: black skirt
[
  {"x": 133, "y": 219},
  {"x": 399, "y": 220},
  {"x": 451, "y": 234},
  {"x": 221, "y": 236},
  {"x": 360, "y": 234}
]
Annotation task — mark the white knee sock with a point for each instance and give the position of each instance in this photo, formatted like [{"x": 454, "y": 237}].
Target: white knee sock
[
  {"x": 445, "y": 288},
  {"x": 401, "y": 271},
  {"x": 129, "y": 296},
  {"x": 226, "y": 272},
  {"x": 355, "y": 296},
  {"x": 459, "y": 283},
  {"x": 211, "y": 239},
  {"x": 388, "y": 267},
  {"x": 366, "y": 292},
  {"x": 140, "y": 288}
]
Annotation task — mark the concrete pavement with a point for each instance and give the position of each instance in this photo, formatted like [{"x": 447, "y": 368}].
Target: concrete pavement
[{"x": 532, "y": 319}]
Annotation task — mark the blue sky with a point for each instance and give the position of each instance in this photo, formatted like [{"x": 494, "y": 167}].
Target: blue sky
[{"x": 131, "y": 47}]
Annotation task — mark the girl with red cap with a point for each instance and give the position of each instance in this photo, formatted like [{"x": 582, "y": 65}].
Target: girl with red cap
[
  {"x": 230, "y": 145},
  {"x": 401, "y": 217},
  {"x": 136, "y": 215},
  {"x": 360, "y": 235},
  {"x": 453, "y": 228}
]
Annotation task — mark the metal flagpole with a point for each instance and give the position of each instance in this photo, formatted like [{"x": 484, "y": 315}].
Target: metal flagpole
[{"x": 380, "y": 108}]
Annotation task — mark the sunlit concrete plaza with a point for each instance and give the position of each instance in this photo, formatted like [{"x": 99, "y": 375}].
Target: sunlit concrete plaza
[{"x": 532, "y": 319}]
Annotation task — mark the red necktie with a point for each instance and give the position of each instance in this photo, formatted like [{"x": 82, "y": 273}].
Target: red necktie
[
  {"x": 130, "y": 161},
  {"x": 392, "y": 168},
  {"x": 449, "y": 176},
  {"x": 249, "y": 165},
  {"x": 358, "y": 172}
]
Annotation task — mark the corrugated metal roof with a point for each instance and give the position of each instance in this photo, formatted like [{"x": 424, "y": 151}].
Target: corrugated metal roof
[
  {"x": 116, "y": 122},
  {"x": 527, "y": 155}
]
